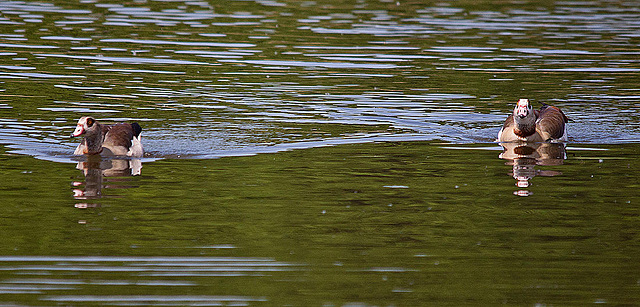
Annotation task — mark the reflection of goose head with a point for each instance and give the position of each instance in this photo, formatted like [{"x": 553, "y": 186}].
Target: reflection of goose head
[
  {"x": 92, "y": 180},
  {"x": 523, "y": 171}
]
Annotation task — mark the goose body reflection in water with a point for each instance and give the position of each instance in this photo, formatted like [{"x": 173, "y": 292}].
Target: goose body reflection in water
[
  {"x": 103, "y": 172},
  {"x": 524, "y": 157}
]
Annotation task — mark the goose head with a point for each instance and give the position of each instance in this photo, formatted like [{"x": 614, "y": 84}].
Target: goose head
[
  {"x": 523, "y": 113},
  {"x": 86, "y": 126}
]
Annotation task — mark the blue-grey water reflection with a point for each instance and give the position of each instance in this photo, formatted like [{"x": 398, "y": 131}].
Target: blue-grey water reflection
[{"x": 254, "y": 74}]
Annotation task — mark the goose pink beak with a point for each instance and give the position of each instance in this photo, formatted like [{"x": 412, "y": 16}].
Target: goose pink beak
[
  {"x": 522, "y": 112},
  {"x": 78, "y": 132},
  {"x": 522, "y": 108}
]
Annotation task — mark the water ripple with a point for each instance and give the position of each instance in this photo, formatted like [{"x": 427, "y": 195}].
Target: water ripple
[
  {"x": 40, "y": 75},
  {"x": 157, "y": 300},
  {"x": 129, "y": 60},
  {"x": 345, "y": 65},
  {"x": 212, "y": 81},
  {"x": 23, "y": 46},
  {"x": 163, "y": 42}
]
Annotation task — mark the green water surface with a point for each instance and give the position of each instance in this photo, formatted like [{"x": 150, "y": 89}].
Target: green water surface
[{"x": 381, "y": 224}]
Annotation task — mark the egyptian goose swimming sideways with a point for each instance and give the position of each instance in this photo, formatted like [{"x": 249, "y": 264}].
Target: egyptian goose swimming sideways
[
  {"x": 119, "y": 140},
  {"x": 528, "y": 125}
]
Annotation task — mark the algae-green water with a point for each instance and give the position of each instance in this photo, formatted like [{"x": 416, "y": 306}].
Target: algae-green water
[{"x": 319, "y": 153}]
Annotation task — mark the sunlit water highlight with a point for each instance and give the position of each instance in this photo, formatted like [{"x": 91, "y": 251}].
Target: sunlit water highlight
[{"x": 55, "y": 269}]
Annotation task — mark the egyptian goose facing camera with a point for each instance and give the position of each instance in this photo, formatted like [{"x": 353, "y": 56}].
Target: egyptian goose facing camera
[
  {"x": 529, "y": 125},
  {"x": 118, "y": 140}
]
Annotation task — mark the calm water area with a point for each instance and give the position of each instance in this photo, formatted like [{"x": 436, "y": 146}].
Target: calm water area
[{"x": 319, "y": 153}]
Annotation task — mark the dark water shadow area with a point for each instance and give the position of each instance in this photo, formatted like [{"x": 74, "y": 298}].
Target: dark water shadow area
[{"x": 391, "y": 223}]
